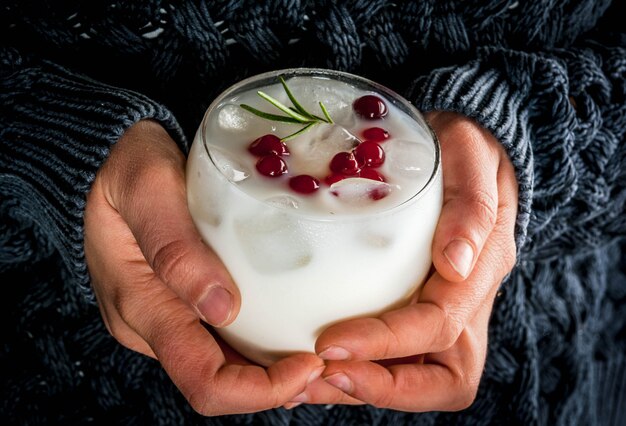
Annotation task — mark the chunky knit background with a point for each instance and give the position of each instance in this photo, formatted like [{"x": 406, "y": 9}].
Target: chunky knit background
[{"x": 547, "y": 78}]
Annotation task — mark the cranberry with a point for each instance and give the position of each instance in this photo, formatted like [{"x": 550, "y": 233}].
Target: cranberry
[
  {"x": 379, "y": 193},
  {"x": 369, "y": 173},
  {"x": 334, "y": 178},
  {"x": 271, "y": 165},
  {"x": 304, "y": 184},
  {"x": 268, "y": 144},
  {"x": 345, "y": 163},
  {"x": 370, "y": 107},
  {"x": 375, "y": 134},
  {"x": 369, "y": 154}
]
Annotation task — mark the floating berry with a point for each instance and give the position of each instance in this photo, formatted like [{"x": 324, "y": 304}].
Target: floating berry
[
  {"x": 304, "y": 184},
  {"x": 375, "y": 134},
  {"x": 334, "y": 178},
  {"x": 379, "y": 193},
  {"x": 271, "y": 165},
  {"x": 345, "y": 163},
  {"x": 370, "y": 107},
  {"x": 268, "y": 144},
  {"x": 369, "y": 154},
  {"x": 369, "y": 173}
]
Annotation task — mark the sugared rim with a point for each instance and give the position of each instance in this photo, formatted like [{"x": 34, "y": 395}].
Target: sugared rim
[{"x": 345, "y": 77}]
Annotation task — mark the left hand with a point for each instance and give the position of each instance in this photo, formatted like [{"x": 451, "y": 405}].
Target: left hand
[
  {"x": 430, "y": 354},
  {"x": 156, "y": 282}
]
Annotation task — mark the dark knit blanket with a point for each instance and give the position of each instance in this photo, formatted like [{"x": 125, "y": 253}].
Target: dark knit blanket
[{"x": 547, "y": 78}]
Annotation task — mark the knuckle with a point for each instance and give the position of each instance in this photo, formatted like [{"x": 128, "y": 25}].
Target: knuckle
[
  {"x": 171, "y": 264},
  {"x": 125, "y": 302},
  {"x": 485, "y": 207},
  {"x": 449, "y": 330},
  {"x": 201, "y": 402},
  {"x": 390, "y": 342}
]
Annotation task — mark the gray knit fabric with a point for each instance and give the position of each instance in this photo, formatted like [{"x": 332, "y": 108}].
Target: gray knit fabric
[{"x": 545, "y": 77}]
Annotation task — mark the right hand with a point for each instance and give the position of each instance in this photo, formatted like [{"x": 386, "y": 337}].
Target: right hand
[
  {"x": 155, "y": 280},
  {"x": 430, "y": 354}
]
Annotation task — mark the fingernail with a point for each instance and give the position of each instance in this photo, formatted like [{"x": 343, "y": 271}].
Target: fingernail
[
  {"x": 290, "y": 405},
  {"x": 315, "y": 374},
  {"x": 216, "y": 306},
  {"x": 460, "y": 255},
  {"x": 334, "y": 353},
  {"x": 340, "y": 381},
  {"x": 297, "y": 400},
  {"x": 303, "y": 397}
]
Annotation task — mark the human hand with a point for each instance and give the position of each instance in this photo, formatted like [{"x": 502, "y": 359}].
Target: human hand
[
  {"x": 154, "y": 280},
  {"x": 430, "y": 354}
]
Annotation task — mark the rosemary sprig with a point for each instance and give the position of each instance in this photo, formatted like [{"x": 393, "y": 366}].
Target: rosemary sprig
[{"x": 295, "y": 115}]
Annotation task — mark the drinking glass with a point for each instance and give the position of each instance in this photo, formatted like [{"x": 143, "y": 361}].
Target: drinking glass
[{"x": 299, "y": 272}]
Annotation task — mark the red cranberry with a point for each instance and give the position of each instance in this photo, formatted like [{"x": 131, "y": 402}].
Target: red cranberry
[
  {"x": 334, "y": 178},
  {"x": 304, "y": 184},
  {"x": 369, "y": 154},
  {"x": 268, "y": 144},
  {"x": 370, "y": 107},
  {"x": 379, "y": 193},
  {"x": 345, "y": 163},
  {"x": 369, "y": 173},
  {"x": 375, "y": 134},
  {"x": 271, "y": 165}
]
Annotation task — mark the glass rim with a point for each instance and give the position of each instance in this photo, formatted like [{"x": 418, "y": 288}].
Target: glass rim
[{"x": 344, "y": 77}]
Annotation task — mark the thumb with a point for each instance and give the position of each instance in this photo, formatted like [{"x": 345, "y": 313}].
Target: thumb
[
  {"x": 470, "y": 161},
  {"x": 147, "y": 187}
]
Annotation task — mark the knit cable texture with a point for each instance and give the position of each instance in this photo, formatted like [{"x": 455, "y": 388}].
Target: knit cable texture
[
  {"x": 538, "y": 75},
  {"x": 56, "y": 129}
]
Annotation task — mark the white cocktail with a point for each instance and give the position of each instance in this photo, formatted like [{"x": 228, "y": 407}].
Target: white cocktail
[{"x": 331, "y": 223}]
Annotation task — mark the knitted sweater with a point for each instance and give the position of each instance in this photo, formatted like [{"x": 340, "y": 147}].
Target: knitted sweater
[{"x": 545, "y": 77}]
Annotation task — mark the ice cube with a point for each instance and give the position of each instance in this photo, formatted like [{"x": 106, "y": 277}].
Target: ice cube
[
  {"x": 233, "y": 118},
  {"x": 273, "y": 242},
  {"x": 409, "y": 158},
  {"x": 233, "y": 169},
  {"x": 375, "y": 240},
  {"x": 360, "y": 191},
  {"x": 208, "y": 198},
  {"x": 313, "y": 150},
  {"x": 337, "y": 97},
  {"x": 283, "y": 201}
]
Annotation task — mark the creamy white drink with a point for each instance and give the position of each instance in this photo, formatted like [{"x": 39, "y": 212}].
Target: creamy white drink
[{"x": 351, "y": 238}]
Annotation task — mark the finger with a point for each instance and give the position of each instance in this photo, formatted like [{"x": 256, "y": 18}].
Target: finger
[
  {"x": 431, "y": 325},
  {"x": 195, "y": 363},
  {"x": 470, "y": 158},
  {"x": 321, "y": 392},
  {"x": 446, "y": 381},
  {"x": 444, "y": 308},
  {"x": 151, "y": 197},
  {"x": 113, "y": 258},
  {"x": 122, "y": 332}
]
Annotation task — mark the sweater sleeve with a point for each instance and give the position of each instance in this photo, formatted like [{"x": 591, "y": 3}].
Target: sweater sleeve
[
  {"x": 56, "y": 130},
  {"x": 561, "y": 116}
]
